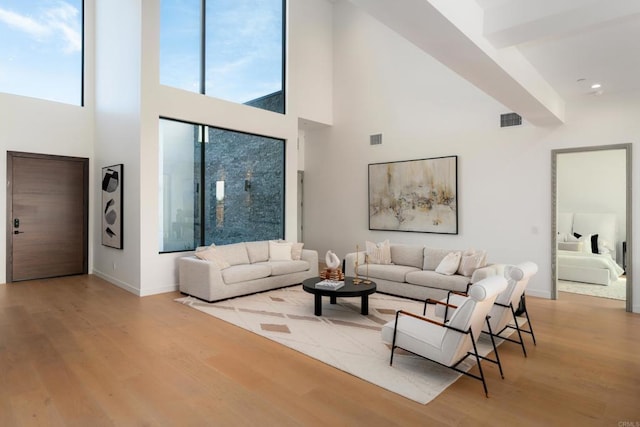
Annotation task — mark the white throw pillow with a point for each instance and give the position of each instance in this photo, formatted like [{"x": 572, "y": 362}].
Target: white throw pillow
[
  {"x": 279, "y": 251},
  {"x": 296, "y": 251},
  {"x": 211, "y": 254},
  {"x": 571, "y": 246},
  {"x": 449, "y": 264},
  {"x": 379, "y": 253}
]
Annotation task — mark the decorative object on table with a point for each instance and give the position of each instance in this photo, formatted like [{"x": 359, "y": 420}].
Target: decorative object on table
[
  {"x": 356, "y": 279},
  {"x": 333, "y": 271},
  {"x": 414, "y": 195},
  {"x": 330, "y": 284},
  {"x": 366, "y": 261},
  {"x": 112, "y": 206}
]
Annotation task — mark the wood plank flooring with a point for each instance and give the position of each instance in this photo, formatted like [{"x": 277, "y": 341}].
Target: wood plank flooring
[{"x": 78, "y": 351}]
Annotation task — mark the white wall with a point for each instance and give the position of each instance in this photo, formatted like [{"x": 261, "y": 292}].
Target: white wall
[
  {"x": 118, "y": 106},
  {"x": 594, "y": 182},
  {"x": 382, "y": 84}
]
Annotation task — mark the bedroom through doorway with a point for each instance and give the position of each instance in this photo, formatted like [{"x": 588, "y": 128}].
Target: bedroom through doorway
[{"x": 591, "y": 222}]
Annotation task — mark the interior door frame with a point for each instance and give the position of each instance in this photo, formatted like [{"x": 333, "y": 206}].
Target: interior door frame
[
  {"x": 9, "y": 212},
  {"x": 629, "y": 208}
]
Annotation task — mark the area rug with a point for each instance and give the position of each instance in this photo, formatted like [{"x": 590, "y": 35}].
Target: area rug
[
  {"x": 616, "y": 290},
  {"x": 341, "y": 337}
]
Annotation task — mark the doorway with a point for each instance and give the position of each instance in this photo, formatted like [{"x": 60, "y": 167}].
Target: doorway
[
  {"x": 47, "y": 216},
  {"x": 600, "y": 205}
]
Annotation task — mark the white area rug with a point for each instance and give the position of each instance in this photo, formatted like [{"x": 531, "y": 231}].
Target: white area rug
[
  {"x": 616, "y": 290},
  {"x": 341, "y": 337}
]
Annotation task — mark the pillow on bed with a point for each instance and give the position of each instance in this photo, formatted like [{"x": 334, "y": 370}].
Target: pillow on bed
[{"x": 591, "y": 245}]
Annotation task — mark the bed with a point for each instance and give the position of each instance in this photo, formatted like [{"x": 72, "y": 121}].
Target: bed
[{"x": 587, "y": 248}]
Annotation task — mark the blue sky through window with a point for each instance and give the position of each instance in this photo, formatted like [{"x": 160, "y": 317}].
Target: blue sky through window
[
  {"x": 41, "y": 49},
  {"x": 243, "y": 47}
]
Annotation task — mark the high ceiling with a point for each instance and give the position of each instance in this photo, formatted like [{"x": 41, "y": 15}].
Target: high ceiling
[{"x": 530, "y": 55}]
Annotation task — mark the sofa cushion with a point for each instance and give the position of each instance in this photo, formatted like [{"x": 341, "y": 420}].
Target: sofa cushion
[
  {"x": 245, "y": 272},
  {"x": 433, "y": 257},
  {"x": 395, "y": 273},
  {"x": 279, "y": 268},
  {"x": 234, "y": 254},
  {"x": 471, "y": 260},
  {"x": 411, "y": 255},
  {"x": 258, "y": 251},
  {"x": 432, "y": 279}
]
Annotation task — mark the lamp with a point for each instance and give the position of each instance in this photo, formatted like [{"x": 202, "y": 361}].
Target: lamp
[{"x": 247, "y": 181}]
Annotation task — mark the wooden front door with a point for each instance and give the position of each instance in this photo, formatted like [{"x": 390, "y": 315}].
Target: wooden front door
[{"x": 47, "y": 216}]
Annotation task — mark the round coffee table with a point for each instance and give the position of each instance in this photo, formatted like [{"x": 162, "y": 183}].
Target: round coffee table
[{"x": 348, "y": 290}]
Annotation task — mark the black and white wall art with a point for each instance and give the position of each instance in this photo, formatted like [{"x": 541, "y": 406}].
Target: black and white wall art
[{"x": 112, "y": 206}]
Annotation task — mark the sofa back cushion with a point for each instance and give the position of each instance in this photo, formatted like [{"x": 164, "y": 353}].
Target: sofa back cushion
[
  {"x": 410, "y": 255},
  {"x": 433, "y": 257},
  {"x": 234, "y": 254},
  {"x": 258, "y": 251}
]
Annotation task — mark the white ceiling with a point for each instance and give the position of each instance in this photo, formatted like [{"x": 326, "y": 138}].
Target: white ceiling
[{"x": 530, "y": 55}]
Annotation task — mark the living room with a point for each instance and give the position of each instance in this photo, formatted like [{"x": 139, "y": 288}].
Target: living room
[{"x": 348, "y": 77}]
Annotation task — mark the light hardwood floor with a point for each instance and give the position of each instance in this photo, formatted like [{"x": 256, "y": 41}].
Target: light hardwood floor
[{"x": 79, "y": 351}]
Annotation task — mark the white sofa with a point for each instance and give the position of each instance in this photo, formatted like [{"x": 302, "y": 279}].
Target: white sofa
[
  {"x": 244, "y": 268},
  {"x": 412, "y": 274}
]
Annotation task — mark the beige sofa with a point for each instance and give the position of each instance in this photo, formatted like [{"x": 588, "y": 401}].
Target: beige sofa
[
  {"x": 243, "y": 268},
  {"x": 412, "y": 272}
]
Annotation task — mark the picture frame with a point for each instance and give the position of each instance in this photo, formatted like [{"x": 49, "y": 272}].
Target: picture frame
[
  {"x": 112, "y": 206},
  {"x": 414, "y": 195}
]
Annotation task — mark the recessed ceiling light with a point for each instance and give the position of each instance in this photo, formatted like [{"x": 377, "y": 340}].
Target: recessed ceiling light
[{"x": 596, "y": 86}]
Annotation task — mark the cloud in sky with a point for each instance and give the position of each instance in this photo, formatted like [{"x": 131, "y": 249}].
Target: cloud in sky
[{"x": 55, "y": 23}]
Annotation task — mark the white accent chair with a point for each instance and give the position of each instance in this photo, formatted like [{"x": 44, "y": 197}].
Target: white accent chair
[
  {"x": 502, "y": 316},
  {"x": 451, "y": 343}
]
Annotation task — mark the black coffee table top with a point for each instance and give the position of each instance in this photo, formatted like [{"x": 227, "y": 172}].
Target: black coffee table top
[{"x": 348, "y": 290}]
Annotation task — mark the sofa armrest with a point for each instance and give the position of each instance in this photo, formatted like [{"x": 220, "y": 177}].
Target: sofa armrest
[
  {"x": 198, "y": 277},
  {"x": 311, "y": 256},
  {"x": 350, "y": 260},
  {"x": 484, "y": 272}
]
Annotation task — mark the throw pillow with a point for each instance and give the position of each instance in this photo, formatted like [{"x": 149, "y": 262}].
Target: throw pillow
[
  {"x": 570, "y": 246},
  {"x": 379, "y": 253},
  {"x": 211, "y": 254},
  {"x": 470, "y": 262},
  {"x": 594, "y": 244},
  {"x": 296, "y": 251},
  {"x": 449, "y": 264},
  {"x": 279, "y": 251}
]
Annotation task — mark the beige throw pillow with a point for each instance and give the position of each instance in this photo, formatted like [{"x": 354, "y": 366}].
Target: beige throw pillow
[
  {"x": 296, "y": 251},
  {"x": 449, "y": 264},
  {"x": 470, "y": 261},
  {"x": 211, "y": 254},
  {"x": 378, "y": 253},
  {"x": 279, "y": 251}
]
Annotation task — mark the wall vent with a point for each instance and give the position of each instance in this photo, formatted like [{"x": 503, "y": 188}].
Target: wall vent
[
  {"x": 375, "y": 139},
  {"x": 510, "y": 119}
]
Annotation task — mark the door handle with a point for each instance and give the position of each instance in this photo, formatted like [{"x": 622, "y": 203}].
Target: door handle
[{"x": 18, "y": 232}]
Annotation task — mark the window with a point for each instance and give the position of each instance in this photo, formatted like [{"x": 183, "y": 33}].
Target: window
[
  {"x": 234, "y": 181},
  {"x": 229, "y": 49},
  {"x": 42, "y": 48}
]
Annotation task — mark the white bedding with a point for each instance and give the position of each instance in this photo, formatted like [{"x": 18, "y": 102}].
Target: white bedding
[{"x": 591, "y": 261}]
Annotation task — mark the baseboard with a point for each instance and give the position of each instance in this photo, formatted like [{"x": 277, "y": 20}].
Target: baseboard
[
  {"x": 127, "y": 287},
  {"x": 156, "y": 291}
]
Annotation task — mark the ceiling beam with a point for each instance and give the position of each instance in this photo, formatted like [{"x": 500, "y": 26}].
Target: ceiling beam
[
  {"x": 451, "y": 32},
  {"x": 521, "y": 21}
]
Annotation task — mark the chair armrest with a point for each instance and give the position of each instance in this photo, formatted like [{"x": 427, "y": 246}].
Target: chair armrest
[{"x": 426, "y": 319}]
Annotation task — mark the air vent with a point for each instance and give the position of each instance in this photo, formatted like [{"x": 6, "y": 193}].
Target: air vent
[
  {"x": 510, "y": 119},
  {"x": 375, "y": 139}
]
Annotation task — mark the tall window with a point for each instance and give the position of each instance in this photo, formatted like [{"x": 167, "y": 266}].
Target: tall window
[
  {"x": 41, "y": 49},
  {"x": 218, "y": 186},
  {"x": 228, "y": 49}
]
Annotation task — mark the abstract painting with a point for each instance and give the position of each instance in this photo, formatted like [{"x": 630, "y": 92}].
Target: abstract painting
[
  {"x": 112, "y": 206},
  {"x": 414, "y": 195}
]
